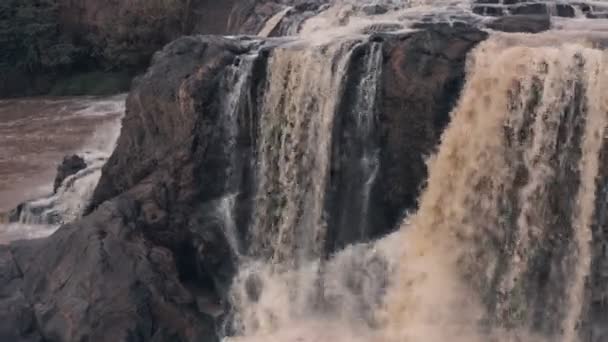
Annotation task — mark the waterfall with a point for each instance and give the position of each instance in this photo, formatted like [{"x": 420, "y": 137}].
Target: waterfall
[
  {"x": 500, "y": 247},
  {"x": 513, "y": 184},
  {"x": 297, "y": 115},
  {"x": 283, "y": 278},
  {"x": 365, "y": 128},
  {"x": 239, "y": 79}
]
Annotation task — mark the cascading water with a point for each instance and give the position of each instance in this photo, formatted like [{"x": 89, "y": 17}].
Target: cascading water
[
  {"x": 366, "y": 149},
  {"x": 500, "y": 247},
  {"x": 304, "y": 87},
  {"x": 41, "y": 216},
  {"x": 282, "y": 278},
  {"x": 513, "y": 184},
  {"x": 239, "y": 78}
]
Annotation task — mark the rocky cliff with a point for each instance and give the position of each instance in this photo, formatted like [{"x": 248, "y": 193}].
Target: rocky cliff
[{"x": 152, "y": 261}]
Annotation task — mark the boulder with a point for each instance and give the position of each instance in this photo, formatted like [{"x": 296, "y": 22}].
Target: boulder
[{"x": 68, "y": 167}]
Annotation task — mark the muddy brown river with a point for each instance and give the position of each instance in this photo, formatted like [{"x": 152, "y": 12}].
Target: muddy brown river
[{"x": 35, "y": 134}]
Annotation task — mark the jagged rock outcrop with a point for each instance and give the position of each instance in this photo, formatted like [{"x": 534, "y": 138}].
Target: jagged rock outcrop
[{"x": 168, "y": 122}]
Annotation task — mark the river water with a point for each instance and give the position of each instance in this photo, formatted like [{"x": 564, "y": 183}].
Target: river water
[{"x": 35, "y": 134}]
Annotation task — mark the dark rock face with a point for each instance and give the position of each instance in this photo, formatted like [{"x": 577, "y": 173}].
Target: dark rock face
[
  {"x": 174, "y": 113},
  {"x": 17, "y": 319},
  {"x": 167, "y": 155},
  {"x": 97, "y": 280},
  {"x": 522, "y": 23},
  {"x": 421, "y": 83},
  {"x": 69, "y": 166}
]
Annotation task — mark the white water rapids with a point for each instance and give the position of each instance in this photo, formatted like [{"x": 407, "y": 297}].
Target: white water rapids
[{"x": 35, "y": 134}]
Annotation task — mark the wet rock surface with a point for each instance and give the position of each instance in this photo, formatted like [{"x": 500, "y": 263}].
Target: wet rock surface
[
  {"x": 17, "y": 319},
  {"x": 69, "y": 166}
]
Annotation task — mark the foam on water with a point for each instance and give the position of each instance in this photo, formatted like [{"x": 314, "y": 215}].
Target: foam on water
[{"x": 42, "y": 216}]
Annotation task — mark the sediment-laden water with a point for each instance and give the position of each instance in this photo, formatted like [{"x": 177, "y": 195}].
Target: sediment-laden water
[{"x": 35, "y": 135}]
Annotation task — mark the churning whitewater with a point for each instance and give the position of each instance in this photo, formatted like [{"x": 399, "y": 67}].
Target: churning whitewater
[{"x": 513, "y": 184}]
